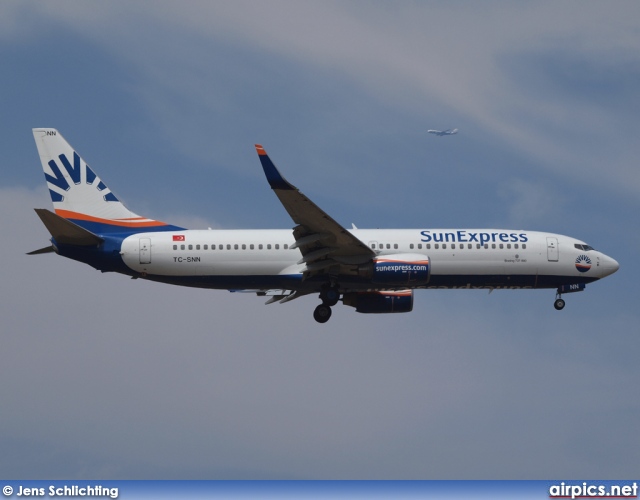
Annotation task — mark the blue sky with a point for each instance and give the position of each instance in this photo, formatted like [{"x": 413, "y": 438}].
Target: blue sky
[{"x": 106, "y": 377}]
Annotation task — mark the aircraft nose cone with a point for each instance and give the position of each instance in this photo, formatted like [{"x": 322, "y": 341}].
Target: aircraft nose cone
[{"x": 610, "y": 266}]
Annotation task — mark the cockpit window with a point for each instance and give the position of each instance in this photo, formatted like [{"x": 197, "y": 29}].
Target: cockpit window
[{"x": 586, "y": 248}]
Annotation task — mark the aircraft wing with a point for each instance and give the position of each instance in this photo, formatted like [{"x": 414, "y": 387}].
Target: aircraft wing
[{"x": 323, "y": 242}]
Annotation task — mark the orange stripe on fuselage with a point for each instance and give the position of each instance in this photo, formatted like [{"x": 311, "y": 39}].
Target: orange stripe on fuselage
[
  {"x": 112, "y": 222},
  {"x": 399, "y": 293}
]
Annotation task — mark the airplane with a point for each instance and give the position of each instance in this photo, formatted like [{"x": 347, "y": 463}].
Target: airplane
[
  {"x": 440, "y": 133},
  {"x": 372, "y": 270}
]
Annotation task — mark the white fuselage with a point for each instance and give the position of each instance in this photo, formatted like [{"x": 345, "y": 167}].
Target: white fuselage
[{"x": 459, "y": 258}]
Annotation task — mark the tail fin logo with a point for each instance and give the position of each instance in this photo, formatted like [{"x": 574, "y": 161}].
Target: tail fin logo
[{"x": 75, "y": 173}]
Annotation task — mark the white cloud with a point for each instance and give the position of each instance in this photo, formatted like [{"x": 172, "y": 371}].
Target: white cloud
[
  {"x": 440, "y": 56},
  {"x": 530, "y": 202}
]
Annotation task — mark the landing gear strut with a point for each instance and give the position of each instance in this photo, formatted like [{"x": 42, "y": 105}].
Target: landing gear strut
[
  {"x": 559, "y": 303},
  {"x": 330, "y": 295}
]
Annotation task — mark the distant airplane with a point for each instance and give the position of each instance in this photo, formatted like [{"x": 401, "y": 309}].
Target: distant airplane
[
  {"x": 372, "y": 270},
  {"x": 440, "y": 133}
]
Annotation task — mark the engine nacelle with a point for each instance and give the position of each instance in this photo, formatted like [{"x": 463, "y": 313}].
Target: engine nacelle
[
  {"x": 404, "y": 269},
  {"x": 380, "y": 302}
]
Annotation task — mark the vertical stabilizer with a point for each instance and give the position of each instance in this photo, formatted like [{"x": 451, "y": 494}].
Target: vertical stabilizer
[{"x": 79, "y": 195}]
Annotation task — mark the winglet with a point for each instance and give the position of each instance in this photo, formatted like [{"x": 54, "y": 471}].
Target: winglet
[{"x": 276, "y": 181}]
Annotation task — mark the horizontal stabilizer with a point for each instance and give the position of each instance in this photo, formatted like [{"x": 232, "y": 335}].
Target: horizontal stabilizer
[
  {"x": 48, "y": 249},
  {"x": 66, "y": 232}
]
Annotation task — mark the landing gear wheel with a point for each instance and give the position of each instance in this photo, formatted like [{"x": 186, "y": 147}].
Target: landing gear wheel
[
  {"x": 322, "y": 313},
  {"x": 330, "y": 296},
  {"x": 559, "y": 304}
]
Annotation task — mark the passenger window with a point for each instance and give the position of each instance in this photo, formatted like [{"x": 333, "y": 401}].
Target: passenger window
[
  {"x": 395, "y": 245},
  {"x": 444, "y": 246},
  {"x": 436, "y": 246},
  {"x": 515, "y": 246},
  {"x": 190, "y": 247},
  {"x": 388, "y": 246},
  {"x": 181, "y": 247},
  {"x": 486, "y": 247},
  {"x": 269, "y": 246},
  {"x": 286, "y": 246},
  {"x": 419, "y": 246},
  {"x": 235, "y": 247},
  {"x": 206, "y": 247},
  {"x": 508, "y": 246},
  {"x": 260, "y": 246},
  {"x": 469, "y": 246},
  {"x": 373, "y": 245},
  {"x": 228, "y": 247},
  {"x": 411, "y": 246},
  {"x": 428, "y": 246},
  {"x": 477, "y": 246},
  {"x": 277, "y": 246},
  {"x": 524, "y": 246},
  {"x": 175, "y": 247},
  {"x": 501, "y": 246},
  {"x": 453, "y": 246},
  {"x": 251, "y": 247},
  {"x": 197, "y": 247}
]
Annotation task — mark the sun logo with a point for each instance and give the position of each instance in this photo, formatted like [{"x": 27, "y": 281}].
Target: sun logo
[
  {"x": 76, "y": 173},
  {"x": 583, "y": 263}
]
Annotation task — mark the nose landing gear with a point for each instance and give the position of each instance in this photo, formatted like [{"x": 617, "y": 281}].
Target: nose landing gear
[{"x": 559, "y": 303}]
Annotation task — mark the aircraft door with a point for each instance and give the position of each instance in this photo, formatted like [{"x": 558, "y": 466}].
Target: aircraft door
[
  {"x": 145, "y": 251},
  {"x": 552, "y": 249}
]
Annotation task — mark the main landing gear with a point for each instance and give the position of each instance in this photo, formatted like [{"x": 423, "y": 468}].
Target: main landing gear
[
  {"x": 330, "y": 295},
  {"x": 559, "y": 303}
]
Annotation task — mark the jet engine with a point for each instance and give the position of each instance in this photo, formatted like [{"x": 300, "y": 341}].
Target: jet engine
[
  {"x": 405, "y": 269},
  {"x": 380, "y": 302}
]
